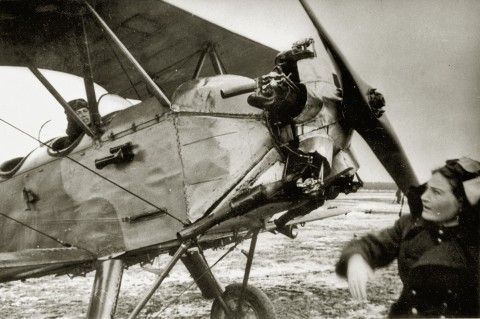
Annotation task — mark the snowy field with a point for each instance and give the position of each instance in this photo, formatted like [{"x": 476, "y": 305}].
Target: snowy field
[{"x": 297, "y": 275}]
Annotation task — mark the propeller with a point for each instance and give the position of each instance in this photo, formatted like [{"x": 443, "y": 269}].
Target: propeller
[{"x": 363, "y": 112}]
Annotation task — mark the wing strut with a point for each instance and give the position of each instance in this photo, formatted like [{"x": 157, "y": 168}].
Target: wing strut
[
  {"x": 200, "y": 63},
  {"x": 83, "y": 48},
  {"x": 157, "y": 92},
  {"x": 217, "y": 63},
  {"x": 60, "y": 99}
]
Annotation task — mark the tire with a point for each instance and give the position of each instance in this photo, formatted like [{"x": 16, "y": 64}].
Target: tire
[{"x": 255, "y": 303}]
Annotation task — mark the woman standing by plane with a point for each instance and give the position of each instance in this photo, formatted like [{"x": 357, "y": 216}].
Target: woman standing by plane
[{"x": 436, "y": 247}]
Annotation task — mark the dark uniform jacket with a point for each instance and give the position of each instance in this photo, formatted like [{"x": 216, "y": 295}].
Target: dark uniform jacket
[{"x": 437, "y": 265}]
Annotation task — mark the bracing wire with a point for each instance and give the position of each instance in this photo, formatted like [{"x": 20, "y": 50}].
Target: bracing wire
[
  {"x": 99, "y": 175},
  {"x": 159, "y": 72},
  {"x": 61, "y": 242},
  {"x": 182, "y": 63},
  {"x": 123, "y": 67}
]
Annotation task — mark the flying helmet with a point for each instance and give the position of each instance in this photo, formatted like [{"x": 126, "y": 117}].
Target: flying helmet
[
  {"x": 78, "y": 104},
  {"x": 464, "y": 176}
]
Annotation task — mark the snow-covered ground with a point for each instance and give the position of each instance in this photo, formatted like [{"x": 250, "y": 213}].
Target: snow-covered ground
[{"x": 298, "y": 275}]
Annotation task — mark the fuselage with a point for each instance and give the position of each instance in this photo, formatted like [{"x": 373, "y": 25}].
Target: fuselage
[{"x": 187, "y": 159}]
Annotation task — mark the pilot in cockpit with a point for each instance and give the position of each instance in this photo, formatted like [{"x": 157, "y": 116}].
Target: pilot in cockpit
[{"x": 73, "y": 131}]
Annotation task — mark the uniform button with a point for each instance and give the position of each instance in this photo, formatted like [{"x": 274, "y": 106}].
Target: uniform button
[
  {"x": 449, "y": 292},
  {"x": 445, "y": 305},
  {"x": 439, "y": 240},
  {"x": 414, "y": 293},
  {"x": 414, "y": 311},
  {"x": 440, "y": 231}
]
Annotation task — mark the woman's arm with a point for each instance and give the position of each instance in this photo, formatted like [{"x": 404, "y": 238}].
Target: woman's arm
[
  {"x": 371, "y": 251},
  {"x": 378, "y": 249}
]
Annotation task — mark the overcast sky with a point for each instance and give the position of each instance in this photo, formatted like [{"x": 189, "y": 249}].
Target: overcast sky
[{"x": 422, "y": 55}]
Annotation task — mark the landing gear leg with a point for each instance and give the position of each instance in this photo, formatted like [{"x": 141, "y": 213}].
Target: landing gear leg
[
  {"x": 178, "y": 254},
  {"x": 251, "y": 252},
  {"x": 197, "y": 265},
  {"x": 108, "y": 278},
  {"x": 245, "y": 301}
]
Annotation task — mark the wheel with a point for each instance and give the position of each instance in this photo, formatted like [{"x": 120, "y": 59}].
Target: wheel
[{"x": 255, "y": 305}]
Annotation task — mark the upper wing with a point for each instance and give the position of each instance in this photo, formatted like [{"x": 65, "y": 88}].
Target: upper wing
[{"x": 165, "y": 40}]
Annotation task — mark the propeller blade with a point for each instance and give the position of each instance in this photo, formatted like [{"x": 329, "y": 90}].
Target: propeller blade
[
  {"x": 384, "y": 143},
  {"x": 367, "y": 119}
]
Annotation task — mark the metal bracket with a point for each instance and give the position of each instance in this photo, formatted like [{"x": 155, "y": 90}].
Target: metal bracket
[{"x": 120, "y": 154}]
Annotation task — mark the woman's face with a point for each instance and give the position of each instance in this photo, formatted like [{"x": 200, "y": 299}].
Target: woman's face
[
  {"x": 84, "y": 115},
  {"x": 439, "y": 203}
]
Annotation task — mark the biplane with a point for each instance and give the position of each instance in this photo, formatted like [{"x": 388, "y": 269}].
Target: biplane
[{"x": 192, "y": 166}]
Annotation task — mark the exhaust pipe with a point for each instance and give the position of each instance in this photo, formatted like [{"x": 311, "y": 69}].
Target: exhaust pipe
[{"x": 240, "y": 205}]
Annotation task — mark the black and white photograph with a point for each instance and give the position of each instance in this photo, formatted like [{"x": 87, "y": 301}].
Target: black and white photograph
[{"x": 253, "y": 159}]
